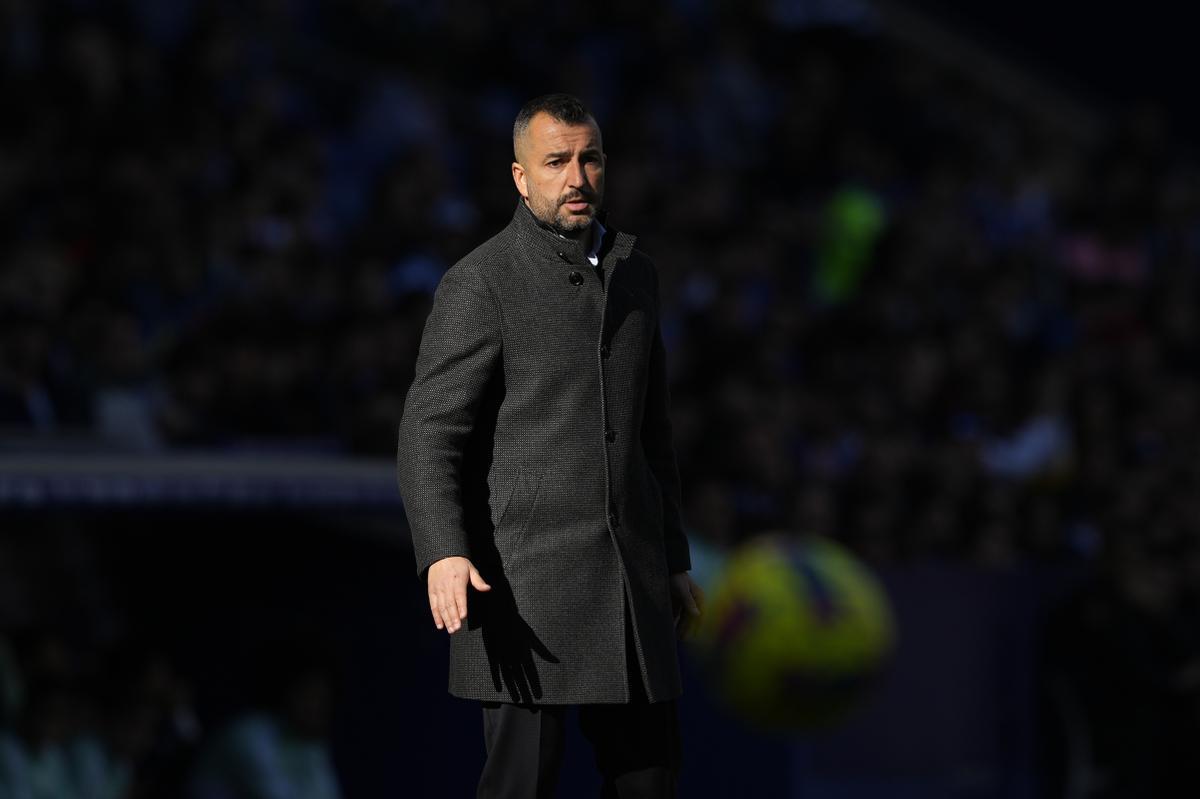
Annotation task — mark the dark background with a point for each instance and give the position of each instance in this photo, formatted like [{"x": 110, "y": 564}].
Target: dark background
[
  {"x": 930, "y": 275},
  {"x": 1114, "y": 56}
]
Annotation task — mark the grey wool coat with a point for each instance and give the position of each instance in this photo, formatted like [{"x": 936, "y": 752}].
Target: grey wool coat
[{"x": 536, "y": 441}]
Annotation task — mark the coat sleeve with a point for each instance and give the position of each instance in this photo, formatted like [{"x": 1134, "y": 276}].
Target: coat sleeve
[
  {"x": 460, "y": 349},
  {"x": 659, "y": 447}
]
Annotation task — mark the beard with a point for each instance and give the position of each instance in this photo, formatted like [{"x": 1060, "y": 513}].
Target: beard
[{"x": 551, "y": 212}]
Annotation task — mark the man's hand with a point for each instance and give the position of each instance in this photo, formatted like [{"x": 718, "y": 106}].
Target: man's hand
[
  {"x": 687, "y": 603},
  {"x": 447, "y": 583}
]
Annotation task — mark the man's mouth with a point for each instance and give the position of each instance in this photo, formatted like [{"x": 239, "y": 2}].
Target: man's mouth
[{"x": 577, "y": 205}]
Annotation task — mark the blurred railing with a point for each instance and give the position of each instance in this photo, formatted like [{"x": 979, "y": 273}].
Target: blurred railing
[
  {"x": 239, "y": 480},
  {"x": 1048, "y": 97}
]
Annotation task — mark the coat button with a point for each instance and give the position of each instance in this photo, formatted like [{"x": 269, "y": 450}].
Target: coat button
[
  {"x": 613, "y": 520},
  {"x": 563, "y": 255},
  {"x": 575, "y": 278},
  {"x": 605, "y": 351},
  {"x": 610, "y": 435}
]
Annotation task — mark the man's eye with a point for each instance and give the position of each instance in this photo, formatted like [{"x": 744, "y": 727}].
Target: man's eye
[{"x": 555, "y": 162}]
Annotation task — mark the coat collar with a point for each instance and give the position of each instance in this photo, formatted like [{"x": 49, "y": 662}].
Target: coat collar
[{"x": 543, "y": 240}]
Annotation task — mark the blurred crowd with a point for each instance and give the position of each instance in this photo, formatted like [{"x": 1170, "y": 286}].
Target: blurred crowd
[
  {"x": 80, "y": 722},
  {"x": 900, "y": 310}
]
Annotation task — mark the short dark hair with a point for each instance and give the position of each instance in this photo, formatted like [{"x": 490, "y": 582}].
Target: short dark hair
[{"x": 562, "y": 107}]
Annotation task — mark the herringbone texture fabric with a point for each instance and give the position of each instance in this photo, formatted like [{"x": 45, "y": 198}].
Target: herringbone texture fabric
[{"x": 539, "y": 407}]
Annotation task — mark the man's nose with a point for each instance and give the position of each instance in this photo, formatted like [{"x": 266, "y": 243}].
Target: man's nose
[{"x": 578, "y": 175}]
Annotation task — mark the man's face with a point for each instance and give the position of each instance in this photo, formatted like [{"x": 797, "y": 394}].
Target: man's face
[{"x": 560, "y": 172}]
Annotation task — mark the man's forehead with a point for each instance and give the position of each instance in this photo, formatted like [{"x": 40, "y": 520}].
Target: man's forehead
[{"x": 548, "y": 134}]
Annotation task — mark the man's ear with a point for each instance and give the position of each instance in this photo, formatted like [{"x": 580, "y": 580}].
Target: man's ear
[{"x": 518, "y": 175}]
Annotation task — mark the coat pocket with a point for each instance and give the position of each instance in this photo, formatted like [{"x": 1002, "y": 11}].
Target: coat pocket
[
  {"x": 517, "y": 511},
  {"x": 503, "y": 497}
]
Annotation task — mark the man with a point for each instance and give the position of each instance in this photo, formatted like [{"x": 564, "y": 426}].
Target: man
[{"x": 539, "y": 479}]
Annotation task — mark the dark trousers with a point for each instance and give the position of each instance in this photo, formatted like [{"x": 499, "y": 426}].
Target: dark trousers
[{"x": 636, "y": 745}]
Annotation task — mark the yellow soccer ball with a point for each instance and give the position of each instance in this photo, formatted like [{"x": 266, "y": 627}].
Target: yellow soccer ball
[{"x": 794, "y": 631}]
